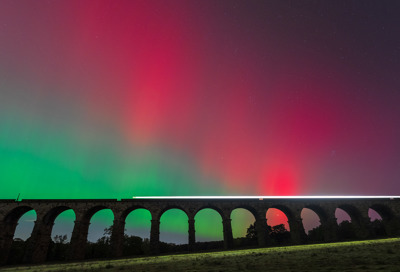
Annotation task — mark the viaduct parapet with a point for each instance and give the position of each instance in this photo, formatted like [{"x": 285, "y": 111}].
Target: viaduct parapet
[{"x": 47, "y": 211}]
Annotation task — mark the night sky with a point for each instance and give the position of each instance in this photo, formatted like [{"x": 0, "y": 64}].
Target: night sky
[{"x": 114, "y": 99}]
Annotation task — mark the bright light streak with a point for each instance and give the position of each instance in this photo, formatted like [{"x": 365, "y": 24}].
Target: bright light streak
[{"x": 261, "y": 197}]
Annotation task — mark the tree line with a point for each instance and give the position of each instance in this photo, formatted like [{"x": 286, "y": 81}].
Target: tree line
[{"x": 136, "y": 246}]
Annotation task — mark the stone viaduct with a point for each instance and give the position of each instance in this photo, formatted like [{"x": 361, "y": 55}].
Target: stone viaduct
[{"x": 48, "y": 209}]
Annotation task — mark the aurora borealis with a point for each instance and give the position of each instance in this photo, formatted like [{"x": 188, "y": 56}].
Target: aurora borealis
[{"x": 114, "y": 99}]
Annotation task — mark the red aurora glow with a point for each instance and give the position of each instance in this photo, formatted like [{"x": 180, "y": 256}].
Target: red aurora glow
[{"x": 226, "y": 97}]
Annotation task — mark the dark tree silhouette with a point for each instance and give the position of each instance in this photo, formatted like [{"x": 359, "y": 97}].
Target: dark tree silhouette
[
  {"x": 279, "y": 234},
  {"x": 58, "y": 249},
  {"x": 377, "y": 229},
  {"x": 316, "y": 234},
  {"x": 17, "y": 251},
  {"x": 346, "y": 231},
  {"x": 251, "y": 232}
]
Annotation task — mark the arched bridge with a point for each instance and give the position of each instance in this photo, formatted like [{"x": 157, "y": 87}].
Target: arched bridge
[{"x": 47, "y": 211}]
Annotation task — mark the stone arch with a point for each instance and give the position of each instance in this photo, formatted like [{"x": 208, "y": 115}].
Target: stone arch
[
  {"x": 51, "y": 215},
  {"x": 62, "y": 214},
  {"x": 252, "y": 218},
  {"x": 294, "y": 227},
  {"x": 315, "y": 227},
  {"x": 327, "y": 229},
  {"x": 323, "y": 216},
  {"x": 214, "y": 218},
  {"x": 192, "y": 223},
  {"x": 8, "y": 228},
  {"x": 352, "y": 211},
  {"x": 94, "y": 215},
  {"x": 281, "y": 210},
  {"x": 387, "y": 226},
  {"x": 374, "y": 215},
  {"x": 285, "y": 209},
  {"x": 38, "y": 246},
  {"x": 88, "y": 214},
  {"x": 384, "y": 211},
  {"x": 140, "y": 209},
  {"x": 80, "y": 233},
  {"x": 211, "y": 207},
  {"x": 359, "y": 223},
  {"x": 15, "y": 214},
  {"x": 271, "y": 218},
  {"x": 345, "y": 225},
  {"x": 62, "y": 224},
  {"x": 118, "y": 235},
  {"x": 137, "y": 227},
  {"x": 12, "y": 219},
  {"x": 174, "y": 226},
  {"x": 26, "y": 224},
  {"x": 96, "y": 231},
  {"x": 310, "y": 219},
  {"x": 127, "y": 211},
  {"x": 341, "y": 215},
  {"x": 170, "y": 207},
  {"x": 249, "y": 208},
  {"x": 376, "y": 225}
]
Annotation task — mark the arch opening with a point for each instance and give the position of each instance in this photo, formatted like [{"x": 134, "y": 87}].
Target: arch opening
[
  {"x": 277, "y": 217},
  {"x": 61, "y": 235},
  {"x": 242, "y": 222},
  {"x": 24, "y": 222},
  {"x": 174, "y": 230},
  {"x": 377, "y": 228},
  {"x": 374, "y": 215},
  {"x": 25, "y": 225},
  {"x": 341, "y": 215},
  {"x": 208, "y": 225},
  {"x": 381, "y": 212},
  {"x": 137, "y": 232},
  {"x": 278, "y": 226},
  {"x": 99, "y": 234},
  {"x": 312, "y": 224},
  {"x": 345, "y": 225}
]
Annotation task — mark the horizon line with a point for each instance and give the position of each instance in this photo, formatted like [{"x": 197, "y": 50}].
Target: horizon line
[{"x": 260, "y": 197}]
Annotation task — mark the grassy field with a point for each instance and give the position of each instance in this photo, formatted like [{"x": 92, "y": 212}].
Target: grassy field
[{"x": 372, "y": 255}]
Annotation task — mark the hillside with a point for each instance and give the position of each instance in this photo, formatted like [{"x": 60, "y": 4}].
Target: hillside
[{"x": 371, "y": 255}]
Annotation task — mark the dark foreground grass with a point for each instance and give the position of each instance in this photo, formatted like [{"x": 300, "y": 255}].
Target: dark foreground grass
[{"x": 371, "y": 255}]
